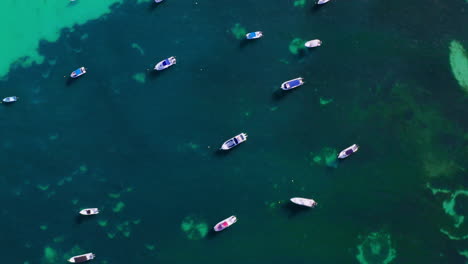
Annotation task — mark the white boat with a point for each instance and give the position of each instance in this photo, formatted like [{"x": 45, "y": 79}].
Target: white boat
[
  {"x": 232, "y": 142},
  {"x": 164, "y": 64},
  {"x": 304, "y": 201},
  {"x": 225, "y": 223},
  {"x": 291, "y": 84},
  {"x": 81, "y": 258},
  {"x": 158, "y": 1},
  {"x": 10, "y": 99},
  {"x": 78, "y": 72},
  {"x": 254, "y": 35},
  {"x": 348, "y": 151},
  {"x": 89, "y": 211},
  {"x": 321, "y": 2},
  {"x": 313, "y": 43}
]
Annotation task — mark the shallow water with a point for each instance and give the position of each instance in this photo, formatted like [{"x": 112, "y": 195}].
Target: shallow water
[{"x": 144, "y": 149}]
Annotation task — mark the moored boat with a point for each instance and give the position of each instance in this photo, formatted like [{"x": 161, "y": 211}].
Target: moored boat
[
  {"x": 348, "y": 151},
  {"x": 254, "y": 35},
  {"x": 164, "y": 64},
  {"x": 78, "y": 72},
  {"x": 89, "y": 211},
  {"x": 304, "y": 201},
  {"x": 313, "y": 43},
  {"x": 232, "y": 142},
  {"x": 321, "y": 2},
  {"x": 291, "y": 84},
  {"x": 10, "y": 99},
  {"x": 225, "y": 223},
  {"x": 158, "y": 1},
  {"x": 81, "y": 258}
]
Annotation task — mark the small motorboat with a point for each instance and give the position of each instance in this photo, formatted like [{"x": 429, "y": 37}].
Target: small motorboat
[
  {"x": 348, "y": 151},
  {"x": 89, "y": 211},
  {"x": 81, "y": 258},
  {"x": 158, "y": 1},
  {"x": 321, "y": 2},
  {"x": 225, "y": 223},
  {"x": 230, "y": 143},
  {"x": 291, "y": 84},
  {"x": 254, "y": 35},
  {"x": 165, "y": 64},
  {"x": 10, "y": 99},
  {"x": 313, "y": 43},
  {"x": 304, "y": 201},
  {"x": 78, "y": 72}
]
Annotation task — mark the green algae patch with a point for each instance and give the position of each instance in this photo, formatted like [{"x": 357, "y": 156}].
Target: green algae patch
[
  {"x": 150, "y": 247},
  {"x": 324, "y": 101},
  {"x": 102, "y": 223},
  {"x": 114, "y": 195},
  {"x": 376, "y": 248},
  {"x": 50, "y": 255},
  {"x": 139, "y": 77},
  {"x": 83, "y": 168},
  {"x": 238, "y": 31},
  {"x": 296, "y": 45},
  {"x": 459, "y": 64},
  {"x": 326, "y": 157},
  {"x": 111, "y": 235},
  {"x": 137, "y": 47},
  {"x": 43, "y": 187},
  {"x": 118, "y": 207},
  {"x": 300, "y": 3},
  {"x": 25, "y": 24},
  {"x": 58, "y": 239},
  {"x": 194, "y": 228},
  {"x": 43, "y": 227},
  {"x": 449, "y": 205}
]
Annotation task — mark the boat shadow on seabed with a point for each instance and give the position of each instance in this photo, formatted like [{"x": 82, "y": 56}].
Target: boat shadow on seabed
[
  {"x": 294, "y": 210},
  {"x": 79, "y": 219}
]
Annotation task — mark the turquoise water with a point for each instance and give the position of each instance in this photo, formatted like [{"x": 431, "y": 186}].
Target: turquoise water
[{"x": 142, "y": 146}]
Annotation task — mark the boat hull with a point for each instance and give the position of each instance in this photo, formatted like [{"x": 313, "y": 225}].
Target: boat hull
[
  {"x": 348, "y": 151},
  {"x": 304, "y": 202},
  {"x": 233, "y": 142},
  {"x": 225, "y": 223},
  {"x": 89, "y": 211},
  {"x": 78, "y": 72},
  {"x": 254, "y": 35},
  {"x": 313, "y": 43},
  {"x": 10, "y": 99},
  {"x": 291, "y": 84},
  {"x": 164, "y": 64},
  {"x": 81, "y": 258}
]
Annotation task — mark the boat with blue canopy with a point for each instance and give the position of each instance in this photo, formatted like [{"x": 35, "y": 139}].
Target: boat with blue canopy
[
  {"x": 78, "y": 72},
  {"x": 254, "y": 35},
  {"x": 164, "y": 64},
  {"x": 291, "y": 84},
  {"x": 10, "y": 99}
]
